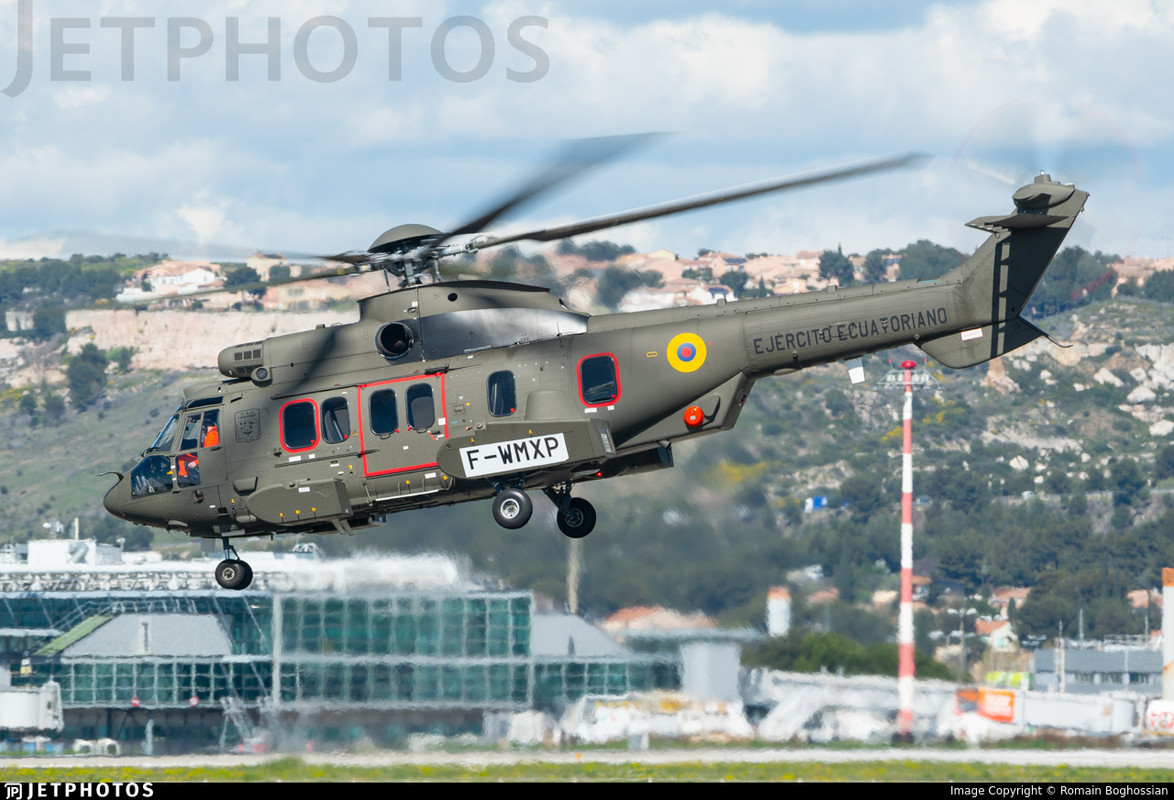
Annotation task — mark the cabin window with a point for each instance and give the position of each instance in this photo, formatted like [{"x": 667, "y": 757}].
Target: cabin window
[
  {"x": 599, "y": 380},
  {"x": 299, "y": 425},
  {"x": 384, "y": 413},
  {"x": 421, "y": 411},
  {"x": 336, "y": 420},
  {"x": 501, "y": 394}
]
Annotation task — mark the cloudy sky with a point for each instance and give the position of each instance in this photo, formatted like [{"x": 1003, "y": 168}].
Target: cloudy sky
[{"x": 312, "y": 126}]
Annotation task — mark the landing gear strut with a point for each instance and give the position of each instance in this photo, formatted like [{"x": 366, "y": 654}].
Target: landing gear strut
[
  {"x": 576, "y": 516},
  {"x": 512, "y": 508},
  {"x": 232, "y": 573}
]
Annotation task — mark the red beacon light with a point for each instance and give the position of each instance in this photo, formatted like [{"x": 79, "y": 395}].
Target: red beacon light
[
  {"x": 694, "y": 416},
  {"x": 908, "y": 365}
]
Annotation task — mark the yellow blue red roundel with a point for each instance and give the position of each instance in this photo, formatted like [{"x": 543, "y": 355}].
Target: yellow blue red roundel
[{"x": 686, "y": 352}]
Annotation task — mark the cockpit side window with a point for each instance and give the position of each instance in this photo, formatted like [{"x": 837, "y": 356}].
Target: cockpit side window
[
  {"x": 299, "y": 425},
  {"x": 200, "y": 430},
  {"x": 210, "y": 430},
  {"x": 152, "y": 475},
  {"x": 191, "y": 433}
]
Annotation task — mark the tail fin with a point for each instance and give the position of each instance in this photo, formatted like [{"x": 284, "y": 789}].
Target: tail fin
[{"x": 997, "y": 281}]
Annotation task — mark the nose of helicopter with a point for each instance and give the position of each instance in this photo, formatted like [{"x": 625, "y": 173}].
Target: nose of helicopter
[
  {"x": 139, "y": 510},
  {"x": 117, "y": 497}
]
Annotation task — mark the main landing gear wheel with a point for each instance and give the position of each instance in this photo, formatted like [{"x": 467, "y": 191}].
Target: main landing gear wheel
[
  {"x": 578, "y": 520},
  {"x": 234, "y": 574},
  {"x": 512, "y": 508}
]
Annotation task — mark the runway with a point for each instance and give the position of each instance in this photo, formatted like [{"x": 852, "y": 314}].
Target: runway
[{"x": 1158, "y": 758}]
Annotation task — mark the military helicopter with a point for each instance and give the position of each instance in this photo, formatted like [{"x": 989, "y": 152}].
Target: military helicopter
[{"x": 447, "y": 391}]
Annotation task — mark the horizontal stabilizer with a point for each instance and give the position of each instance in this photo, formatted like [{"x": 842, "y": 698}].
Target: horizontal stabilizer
[
  {"x": 974, "y": 346},
  {"x": 1014, "y": 222}
]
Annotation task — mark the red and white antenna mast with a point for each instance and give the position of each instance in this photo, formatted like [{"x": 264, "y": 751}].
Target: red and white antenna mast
[{"x": 905, "y": 641}]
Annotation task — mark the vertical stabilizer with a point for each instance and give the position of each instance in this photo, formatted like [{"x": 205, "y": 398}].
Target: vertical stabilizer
[{"x": 999, "y": 278}]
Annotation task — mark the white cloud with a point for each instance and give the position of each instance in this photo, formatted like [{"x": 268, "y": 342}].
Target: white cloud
[
  {"x": 74, "y": 98},
  {"x": 206, "y": 219},
  {"x": 1076, "y": 87}
]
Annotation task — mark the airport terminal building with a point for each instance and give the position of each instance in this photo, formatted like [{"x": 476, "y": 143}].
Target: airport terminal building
[{"x": 315, "y": 654}]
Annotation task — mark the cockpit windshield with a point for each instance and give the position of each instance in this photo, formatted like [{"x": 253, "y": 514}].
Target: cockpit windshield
[
  {"x": 166, "y": 436},
  {"x": 161, "y": 471}
]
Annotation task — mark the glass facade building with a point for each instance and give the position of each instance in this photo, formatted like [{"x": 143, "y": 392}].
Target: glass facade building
[{"x": 387, "y": 662}]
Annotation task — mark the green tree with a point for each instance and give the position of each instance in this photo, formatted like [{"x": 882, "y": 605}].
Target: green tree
[
  {"x": 966, "y": 490},
  {"x": 812, "y": 652},
  {"x": 86, "y": 374},
  {"x": 615, "y": 282},
  {"x": 1129, "y": 288},
  {"x": 1127, "y": 480},
  {"x": 874, "y": 266},
  {"x": 1042, "y": 614},
  {"x": 28, "y": 405},
  {"x": 109, "y": 530},
  {"x": 606, "y": 251},
  {"x": 47, "y": 321},
  {"x": 1160, "y": 287},
  {"x": 923, "y": 259},
  {"x": 961, "y": 559},
  {"x": 863, "y": 495},
  {"x": 834, "y": 265},
  {"x": 704, "y": 274},
  {"x": 240, "y": 278},
  {"x": 53, "y": 404},
  {"x": 1074, "y": 277},
  {"x": 122, "y": 356},
  {"x": 1058, "y": 482},
  {"x": 735, "y": 280},
  {"x": 1164, "y": 463}
]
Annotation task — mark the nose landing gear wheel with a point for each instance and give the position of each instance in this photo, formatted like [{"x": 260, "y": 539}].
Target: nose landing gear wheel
[
  {"x": 578, "y": 520},
  {"x": 234, "y": 574},
  {"x": 512, "y": 508}
]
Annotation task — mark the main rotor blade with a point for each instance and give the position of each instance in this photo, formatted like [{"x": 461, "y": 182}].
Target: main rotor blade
[
  {"x": 257, "y": 286},
  {"x": 576, "y": 157},
  {"x": 700, "y": 201}
]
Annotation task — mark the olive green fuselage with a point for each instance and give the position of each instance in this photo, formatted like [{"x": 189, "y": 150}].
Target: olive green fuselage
[
  {"x": 448, "y": 392},
  {"x": 255, "y": 480}
]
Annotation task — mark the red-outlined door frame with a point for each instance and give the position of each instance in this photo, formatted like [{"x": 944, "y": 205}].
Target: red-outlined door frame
[{"x": 405, "y": 450}]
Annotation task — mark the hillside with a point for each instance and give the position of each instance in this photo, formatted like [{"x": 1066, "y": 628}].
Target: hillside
[{"x": 1050, "y": 474}]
